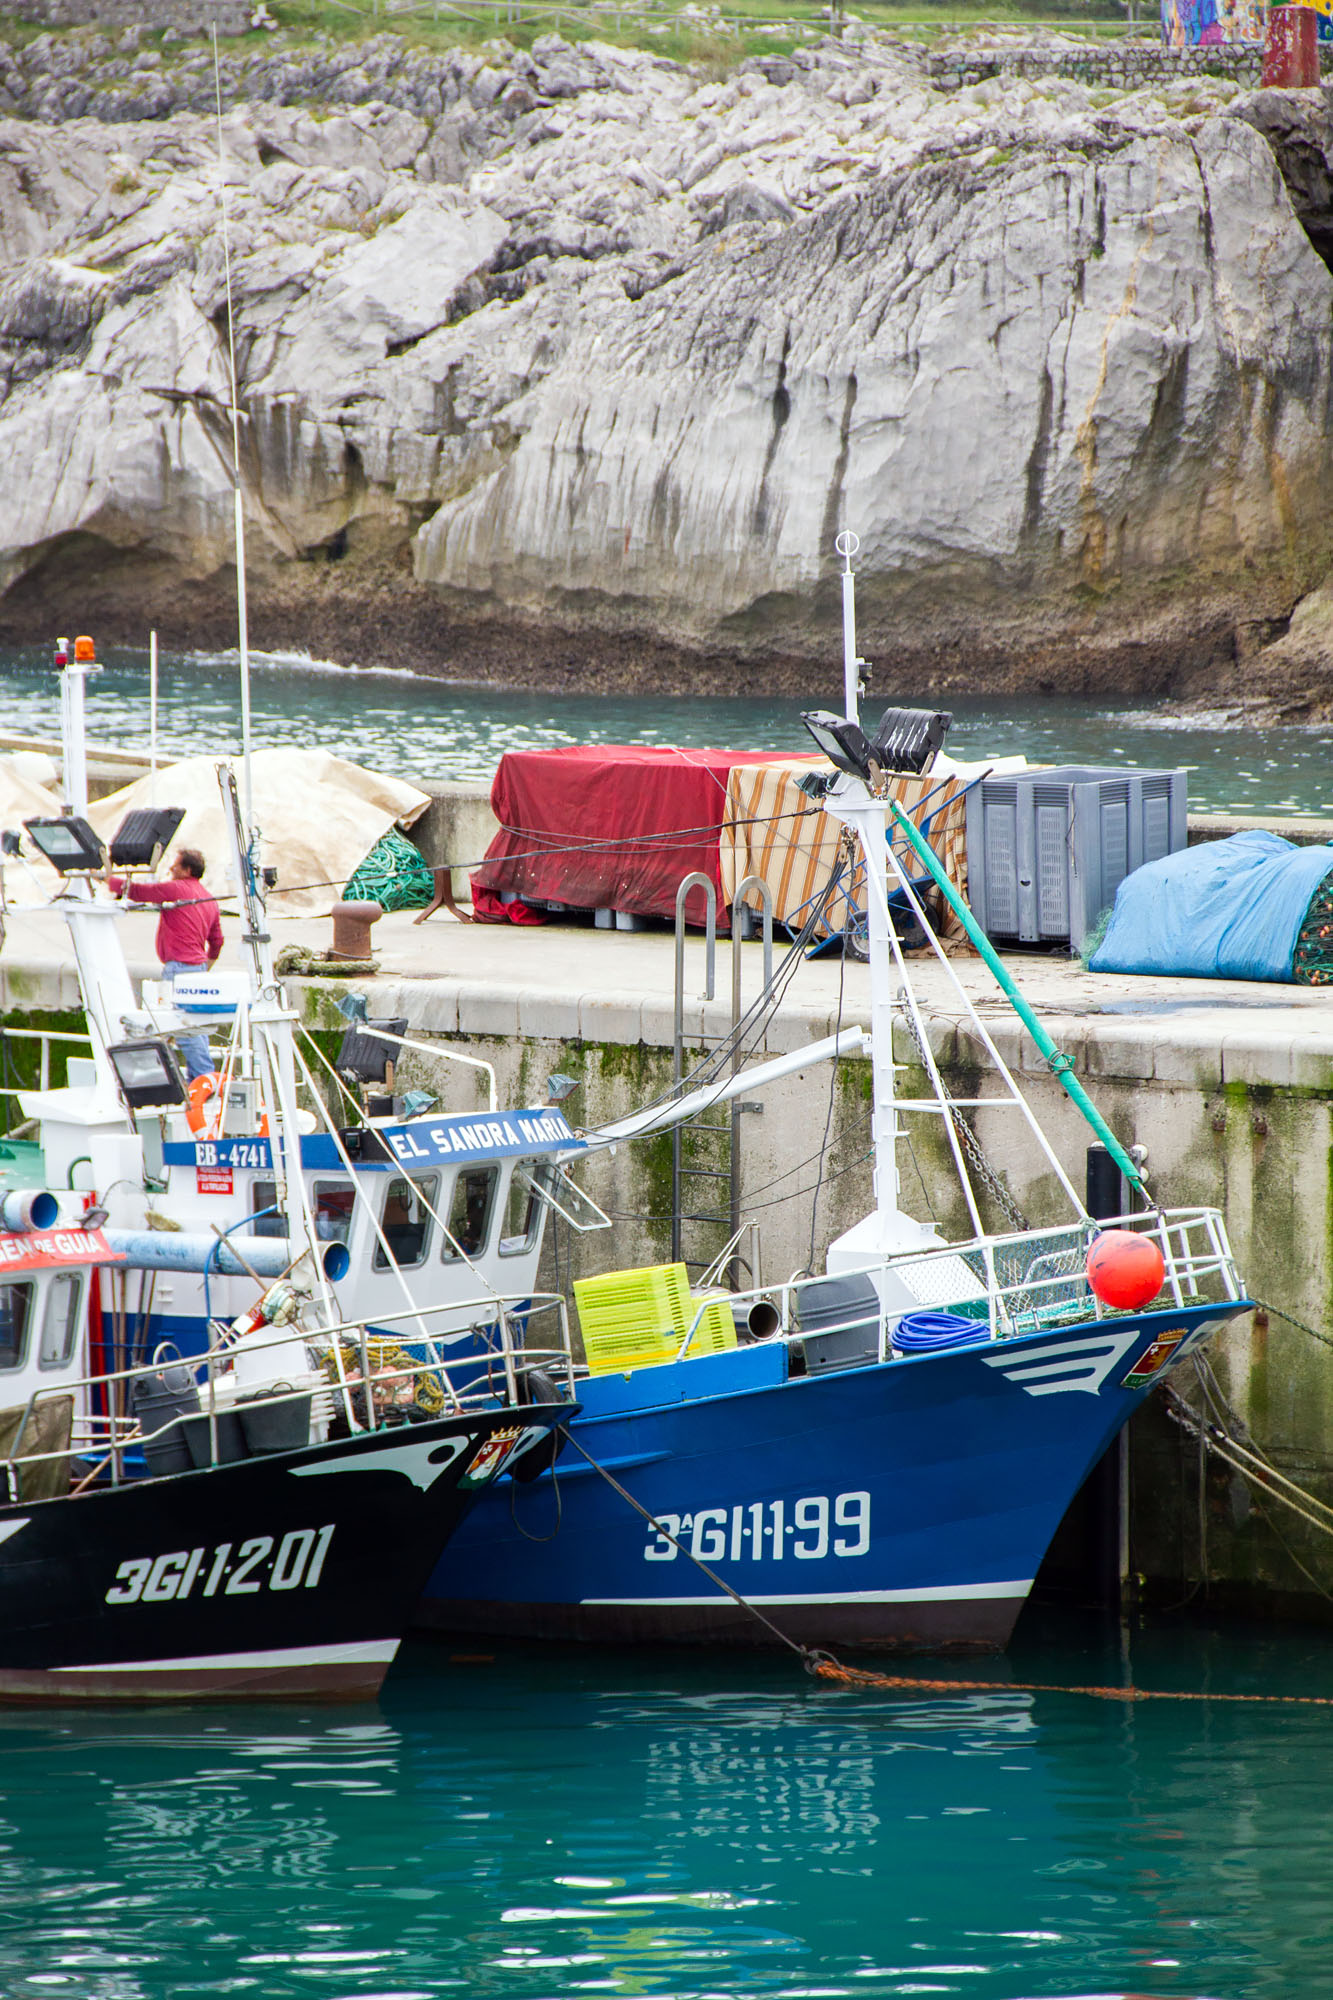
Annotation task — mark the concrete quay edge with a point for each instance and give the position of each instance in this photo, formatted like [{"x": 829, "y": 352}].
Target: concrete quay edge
[{"x": 566, "y": 983}]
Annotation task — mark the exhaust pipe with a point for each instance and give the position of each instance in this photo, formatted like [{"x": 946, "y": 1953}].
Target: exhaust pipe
[
  {"x": 266, "y": 1256},
  {"x": 30, "y": 1208}
]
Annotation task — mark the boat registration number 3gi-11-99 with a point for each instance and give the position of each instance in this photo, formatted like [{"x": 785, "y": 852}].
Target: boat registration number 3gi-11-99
[
  {"x": 298, "y": 1561},
  {"x": 762, "y": 1528}
]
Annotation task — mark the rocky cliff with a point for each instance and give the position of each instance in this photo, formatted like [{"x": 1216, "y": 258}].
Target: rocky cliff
[{"x": 575, "y": 362}]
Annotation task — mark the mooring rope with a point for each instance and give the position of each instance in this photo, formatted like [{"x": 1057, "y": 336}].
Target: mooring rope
[{"x": 824, "y": 1666}]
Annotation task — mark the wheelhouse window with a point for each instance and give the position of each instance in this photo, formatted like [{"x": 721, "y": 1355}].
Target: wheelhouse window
[
  {"x": 523, "y": 1207},
  {"x": 266, "y": 1220},
  {"x": 470, "y": 1212},
  {"x": 15, "y": 1316},
  {"x": 332, "y": 1202},
  {"x": 406, "y": 1221},
  {"x": 60, "y": 1327}
]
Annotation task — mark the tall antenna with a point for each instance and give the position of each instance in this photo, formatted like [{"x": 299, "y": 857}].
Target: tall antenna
[
  {"x": 152, "y": 718},
  {"x": 847, "y": 545},
  {"x": 241, "y": 613}
]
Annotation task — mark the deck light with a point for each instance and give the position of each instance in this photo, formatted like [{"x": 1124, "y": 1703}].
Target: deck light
[
  {"x": 147, "y": 1074},
  {"x": 143, "y": 833},
  {"x": 904, "y": 742},
  {"x": 843, "y": 742},
  {"x": 906, "y": 739},
  {"x": 84, "y": 648},
  {"x": 68, "y": 843}
]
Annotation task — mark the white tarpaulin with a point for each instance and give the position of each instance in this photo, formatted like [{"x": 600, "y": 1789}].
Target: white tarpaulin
[{"x": 318, "y": 816}]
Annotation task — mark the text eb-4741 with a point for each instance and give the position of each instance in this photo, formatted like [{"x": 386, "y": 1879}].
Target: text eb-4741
[{"x": 295, "y": 1562}]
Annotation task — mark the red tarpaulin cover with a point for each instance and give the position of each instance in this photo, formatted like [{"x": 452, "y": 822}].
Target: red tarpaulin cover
[{"x": 614, "y": 827}]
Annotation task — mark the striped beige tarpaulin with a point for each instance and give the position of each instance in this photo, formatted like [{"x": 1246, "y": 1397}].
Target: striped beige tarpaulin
[{"x": 772, "y": 830}]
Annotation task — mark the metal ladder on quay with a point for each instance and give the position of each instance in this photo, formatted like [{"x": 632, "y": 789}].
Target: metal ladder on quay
[{"x": 692, "y": 1167}]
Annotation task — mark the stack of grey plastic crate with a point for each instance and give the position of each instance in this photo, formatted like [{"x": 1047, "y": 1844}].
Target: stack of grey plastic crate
[{"x": 1048, "y": 848}]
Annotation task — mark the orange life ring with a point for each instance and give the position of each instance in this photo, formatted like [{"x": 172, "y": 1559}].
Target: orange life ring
[
  {"x": 201, "y": 1089},
  {"x": 198, "y": 1119}
]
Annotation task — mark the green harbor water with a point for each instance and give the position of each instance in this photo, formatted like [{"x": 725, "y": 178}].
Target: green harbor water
[
  {"x": 423, "y": 728},
  {"x": 698, "y": 1826}
]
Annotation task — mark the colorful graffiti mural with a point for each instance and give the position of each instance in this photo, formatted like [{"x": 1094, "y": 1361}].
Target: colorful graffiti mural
[{"x": 1194, "y": 24}]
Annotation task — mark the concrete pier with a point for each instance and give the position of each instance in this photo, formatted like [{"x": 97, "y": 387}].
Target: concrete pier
[{"x": 1228, "y": 1084}]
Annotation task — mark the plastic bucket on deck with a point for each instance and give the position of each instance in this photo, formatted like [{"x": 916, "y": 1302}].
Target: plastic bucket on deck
[
  {"x": 231, "y": 1439},
  {"x": 275, "y": 1419}
]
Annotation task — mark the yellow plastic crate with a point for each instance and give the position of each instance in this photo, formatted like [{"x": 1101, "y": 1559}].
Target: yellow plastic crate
[{"x": 637, "y": 1319}]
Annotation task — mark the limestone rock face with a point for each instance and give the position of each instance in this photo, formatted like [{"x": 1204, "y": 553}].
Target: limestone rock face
[{"x": 599, "y": 345}]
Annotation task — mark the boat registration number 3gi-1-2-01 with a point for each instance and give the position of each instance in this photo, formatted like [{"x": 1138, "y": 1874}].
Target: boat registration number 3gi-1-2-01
[
  {"x": 816, "y": 1527},
  {"x": 298, "y": 1560}
]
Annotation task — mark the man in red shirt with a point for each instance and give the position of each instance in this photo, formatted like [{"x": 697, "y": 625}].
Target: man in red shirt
[{"x": 189, "y": 934}]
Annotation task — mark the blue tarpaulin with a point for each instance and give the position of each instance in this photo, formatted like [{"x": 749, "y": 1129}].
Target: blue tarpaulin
[{"x": 1227, "y": 909}]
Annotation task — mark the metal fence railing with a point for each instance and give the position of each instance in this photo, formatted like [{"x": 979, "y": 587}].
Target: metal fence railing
[{"x": 722, "y": 21}]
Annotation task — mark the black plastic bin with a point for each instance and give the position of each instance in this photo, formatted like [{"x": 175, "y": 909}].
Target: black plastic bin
[
  {"x": 849, "y": 1309},
  {"x": 161, "y": 1398}
]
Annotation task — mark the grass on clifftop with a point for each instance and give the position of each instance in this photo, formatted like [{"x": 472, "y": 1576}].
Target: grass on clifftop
[{"x": 689, "y": 33}]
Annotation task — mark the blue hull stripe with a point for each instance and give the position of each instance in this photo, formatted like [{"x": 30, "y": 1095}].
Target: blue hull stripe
[{"x": 945, "y": 1593}]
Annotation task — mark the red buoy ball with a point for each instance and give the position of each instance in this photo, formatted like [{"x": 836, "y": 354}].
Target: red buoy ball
[{"x": 1125, "y": 1269}]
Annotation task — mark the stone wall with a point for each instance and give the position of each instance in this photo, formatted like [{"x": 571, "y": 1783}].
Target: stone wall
[
  {"x": 185, "y": 17},
  {"x": 1120, "y": 65}
]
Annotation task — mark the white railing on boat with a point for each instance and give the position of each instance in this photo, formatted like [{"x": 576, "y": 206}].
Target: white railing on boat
[
  {"x": 45, "y": 1037},
  {"x": 499, "y": 1368},
  {"x": 1017, "y": 1283}
]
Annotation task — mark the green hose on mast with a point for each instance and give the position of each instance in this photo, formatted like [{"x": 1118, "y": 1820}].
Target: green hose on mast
[{"x": 1060, "y": 1065}]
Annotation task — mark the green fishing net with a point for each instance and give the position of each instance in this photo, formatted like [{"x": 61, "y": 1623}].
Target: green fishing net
[
  {"x": 393, "y": 874},
  {"x": 1312, "y": 958}
]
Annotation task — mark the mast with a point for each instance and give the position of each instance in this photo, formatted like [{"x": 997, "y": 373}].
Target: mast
[
  {"x": 238, "y": 506},
  {"x": 74, "y": 669},
  {"x": 152, "y": 718},
  {"x": 271, "y": 1023},
  {"x": 847, "y": 545},
  {"x": 866, "y": 816}
]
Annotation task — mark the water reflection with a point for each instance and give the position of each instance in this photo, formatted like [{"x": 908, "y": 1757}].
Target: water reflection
[
  {"x": 413, "y": 726},
  {"x": 562, "y": 1824}
]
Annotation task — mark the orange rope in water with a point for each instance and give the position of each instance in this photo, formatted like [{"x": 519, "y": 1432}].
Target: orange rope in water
[{"x": 825, "y": 1668}]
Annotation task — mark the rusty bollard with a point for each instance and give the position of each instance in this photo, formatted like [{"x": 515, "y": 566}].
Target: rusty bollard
[{"x": 351, "y": 929}]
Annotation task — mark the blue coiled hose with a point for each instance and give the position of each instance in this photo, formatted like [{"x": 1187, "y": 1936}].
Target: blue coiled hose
[{"x": 929, "y": 1332}]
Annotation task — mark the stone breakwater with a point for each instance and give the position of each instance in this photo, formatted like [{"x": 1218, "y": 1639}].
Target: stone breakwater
[{"x": 571, "y": 363}]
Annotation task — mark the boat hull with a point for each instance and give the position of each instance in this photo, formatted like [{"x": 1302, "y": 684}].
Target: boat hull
[
  {"x": 903, "y": 1506},
  {"x": 290, "y": 1574}
]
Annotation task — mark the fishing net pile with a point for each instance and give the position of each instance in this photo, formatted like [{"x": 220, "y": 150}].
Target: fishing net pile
[
  {"x": 394, "y": 874},
  {"x": 1251, "y": 907},
  {"x": 1312, "y": 958},
  {"x": 396, "y": 1379}
]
